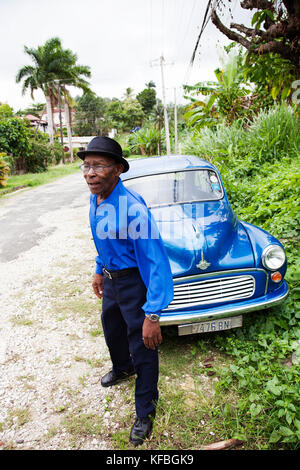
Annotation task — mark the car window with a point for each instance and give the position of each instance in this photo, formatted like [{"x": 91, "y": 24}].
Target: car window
[{"x": 177, "y": 187}]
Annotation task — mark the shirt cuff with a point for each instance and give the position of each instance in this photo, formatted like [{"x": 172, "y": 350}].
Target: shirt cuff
[
  {"x": 99, "y": 266},
  {"x": 156, "y": 313}
]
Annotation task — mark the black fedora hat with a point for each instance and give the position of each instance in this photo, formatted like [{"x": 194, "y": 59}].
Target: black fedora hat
[{"x": 106, "y": 146}]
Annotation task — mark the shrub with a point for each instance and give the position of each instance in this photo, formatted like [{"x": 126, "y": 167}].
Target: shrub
[
  {"x": 4, "y": 170},
  {"x": 245, "y": 148},
  {"x": 274, "y": 134},
  {"x": 260, "y": 170},
  {"x": 56, "y": 150},
  {"x": 38, "y": 158},
  {"x": 15, "y": 140},
  {"x": 145, "y": 140}
]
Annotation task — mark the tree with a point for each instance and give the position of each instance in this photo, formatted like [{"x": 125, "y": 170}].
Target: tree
[
  {"x": 115, "y": 113},
  {"x": 275, "y": 28},
  {"x": 225, "y": 96},
  {"x": 47, "y": 60},
  {"x": 52, "y": 64},
  {"x": 157, "y": 117},
  {"x": 147, "y": 98},
  {"x": 133, "y": 114},
  {"x": 90, "y": 115},
  {"x": 5, "y": 111},
  {"x": 72, "y": 76},
  {"x": 36, "y": 109},
  {"x": 125, "y": 115},
  {"x": 128, "y": 93}
]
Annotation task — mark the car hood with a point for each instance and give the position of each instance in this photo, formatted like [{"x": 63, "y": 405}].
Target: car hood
[{"x": 203, "y": 237}]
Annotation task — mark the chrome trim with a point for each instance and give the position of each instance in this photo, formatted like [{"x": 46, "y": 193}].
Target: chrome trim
[
  {"x": 209, "y": 291},
  {"x": 166, "y": 320},
  {"x": 220, "y": 273},
  {"x": 264, "y": 253}
]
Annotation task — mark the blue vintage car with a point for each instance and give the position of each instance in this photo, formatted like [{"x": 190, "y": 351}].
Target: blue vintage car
[{"x": 222, "y": 267}]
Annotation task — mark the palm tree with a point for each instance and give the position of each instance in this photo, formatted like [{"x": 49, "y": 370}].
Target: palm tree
[
  {"x": 128, "y": 93},
  {"x": 73, "y": 77},
  {"x": 52, "y": 64},
  {"x": 47, "y": 63}
]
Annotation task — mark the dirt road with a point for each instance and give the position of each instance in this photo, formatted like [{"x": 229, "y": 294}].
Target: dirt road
[{"x": 52, "y": 351}]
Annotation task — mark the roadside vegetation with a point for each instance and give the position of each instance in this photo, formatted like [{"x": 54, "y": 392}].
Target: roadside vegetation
[
  {"x": 241, "y": 384},
  {"x": 27, "y": 180}
]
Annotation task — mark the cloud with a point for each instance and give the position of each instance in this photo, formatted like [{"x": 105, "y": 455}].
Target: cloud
[{"x": 117, "y": 39}]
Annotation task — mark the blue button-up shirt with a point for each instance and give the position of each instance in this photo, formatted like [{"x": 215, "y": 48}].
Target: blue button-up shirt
[{"x": 126, "y": 236}]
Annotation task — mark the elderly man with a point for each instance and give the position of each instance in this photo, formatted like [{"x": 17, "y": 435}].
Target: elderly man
[{"x": 132, "y": 275}]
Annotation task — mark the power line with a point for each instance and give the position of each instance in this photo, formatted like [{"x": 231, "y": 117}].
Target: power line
[{"x": 204, "y": 24}]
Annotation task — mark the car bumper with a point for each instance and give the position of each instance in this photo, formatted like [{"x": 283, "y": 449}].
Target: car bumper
[{"x": 229, "y": 310}]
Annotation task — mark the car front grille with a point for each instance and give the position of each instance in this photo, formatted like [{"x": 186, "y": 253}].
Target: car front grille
[{"x": 211, "y": 291}]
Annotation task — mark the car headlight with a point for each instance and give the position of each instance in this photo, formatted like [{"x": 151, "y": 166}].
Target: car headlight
[{"x": 273, "y": 257}]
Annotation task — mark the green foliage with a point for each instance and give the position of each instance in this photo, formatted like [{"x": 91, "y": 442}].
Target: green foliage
[
  {"x": 36, "y": 109},
  {"x": 226, "y": 97},
  {"x": 5, "y": 111},
  {"x": 24, "y": 151},
  {"x": 4, "y": 170},
  {"x": 132, "y": 114},
  {"x": 145, "y": 140},
  {"x": 15, "y": 140},
  {"x": 272, "y": 76},
  {"x": 147, "y": 99},
  {"x": 271, "y": 136},
  {"x": 89, "y": 116},
  {"x": 38, "y": 158},
  {"x": 51, "y": 62},
  {"x": 260, "y": 170},
  {"x": 125, "y": 115}
]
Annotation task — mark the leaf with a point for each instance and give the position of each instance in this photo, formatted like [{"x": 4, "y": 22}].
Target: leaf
[
  {"x": 286, "y": 432},
  {"x": 273, "y": 388},
  {"x": 297, "y": 423},
  {"x": 275, "y": 436},
  {"x": 255, "y": 410},
  {"x": 289, "y": 417},
  {"x": 255, "y": 17}
]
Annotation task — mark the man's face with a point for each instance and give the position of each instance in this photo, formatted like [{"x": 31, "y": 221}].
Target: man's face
[{"x": 102, "y": 182}]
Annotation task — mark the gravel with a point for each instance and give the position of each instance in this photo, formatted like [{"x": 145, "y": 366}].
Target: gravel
[{"x": 51, "y": 357}]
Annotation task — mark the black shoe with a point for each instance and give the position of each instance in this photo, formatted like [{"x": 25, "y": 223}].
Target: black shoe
[
  {"x": 141, "y": 430},
  {"x": 111, "y": 378}
]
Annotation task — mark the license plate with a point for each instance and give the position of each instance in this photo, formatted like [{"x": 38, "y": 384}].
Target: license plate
[{"x": 210, "y": 326}]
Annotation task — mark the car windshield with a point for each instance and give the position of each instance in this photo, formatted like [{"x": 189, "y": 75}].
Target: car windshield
[{"x": 177, "y": 187}]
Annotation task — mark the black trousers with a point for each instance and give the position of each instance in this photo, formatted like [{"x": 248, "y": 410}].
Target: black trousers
[{"x": 122, "y": 320}]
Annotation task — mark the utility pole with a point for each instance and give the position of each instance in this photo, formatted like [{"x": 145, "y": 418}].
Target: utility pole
[
  {"x": 175, "y": 122},
  {"x": 60, "y": 120},
  {"x": 165, "y": 107}
]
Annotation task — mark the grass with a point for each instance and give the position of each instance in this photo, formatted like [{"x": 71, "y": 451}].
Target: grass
[
  {"x": 79, "y": 424},
  {"x": 190, "y": 409},
  {"x": 19, "y": 417},
  {"x": 15, "y": 182},
  {"x": 54, "y": 172}
]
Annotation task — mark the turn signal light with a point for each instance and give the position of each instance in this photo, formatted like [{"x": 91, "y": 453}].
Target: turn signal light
[{"x": 276, "y": 277}]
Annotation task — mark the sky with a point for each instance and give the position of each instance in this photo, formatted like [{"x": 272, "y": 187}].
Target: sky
[{"x": 121, "y": 41}]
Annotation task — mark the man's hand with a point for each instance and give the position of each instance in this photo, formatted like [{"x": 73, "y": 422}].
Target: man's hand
[
  {"x": 98, "y": 285},
  {"x": 151, "y": 333}
]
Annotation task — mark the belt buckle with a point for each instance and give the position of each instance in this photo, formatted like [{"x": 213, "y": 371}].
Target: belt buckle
[{"x": 107, "y": 273}]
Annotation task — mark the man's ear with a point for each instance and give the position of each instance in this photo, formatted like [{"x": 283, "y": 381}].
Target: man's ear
[{"x": 119, "y": 169}]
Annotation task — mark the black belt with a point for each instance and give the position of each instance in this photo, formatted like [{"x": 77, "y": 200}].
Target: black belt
[{"x": 122, "y": 272}]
